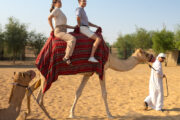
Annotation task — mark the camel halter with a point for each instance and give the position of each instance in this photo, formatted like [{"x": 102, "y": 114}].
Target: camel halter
[
  {"x": 17, "y": 84},
  {"x": 150, "y": 66}
]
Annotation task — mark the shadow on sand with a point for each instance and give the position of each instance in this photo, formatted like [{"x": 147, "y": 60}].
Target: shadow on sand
[
  {"x": 177, "y": 117},
  {"x": 173, "y": 109},
  {"x": 131, "y": 117},
  {"x": 134, "y": 116}
]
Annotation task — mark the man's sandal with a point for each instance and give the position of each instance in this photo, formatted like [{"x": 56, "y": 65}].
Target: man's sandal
[
  {"x": 145, "y": 106},
  {"x": 67, "y": 60}
]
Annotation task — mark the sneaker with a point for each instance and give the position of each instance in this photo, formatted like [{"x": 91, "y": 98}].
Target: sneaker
[{"x": 92, "y": 59}]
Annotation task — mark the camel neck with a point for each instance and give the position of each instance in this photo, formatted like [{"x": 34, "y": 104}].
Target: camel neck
[{"x": 123, "y": 65}]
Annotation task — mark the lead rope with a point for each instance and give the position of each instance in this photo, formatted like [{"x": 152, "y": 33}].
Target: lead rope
[
  {"x": 29, "y": 89},
  {"x": 166, "y": 87}
]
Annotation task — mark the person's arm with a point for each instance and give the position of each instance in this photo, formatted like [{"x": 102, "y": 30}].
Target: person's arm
[
  {"x": 78, "y": 21},
  {"x": 50, "y": 22},
  {"x": 158, "y": 71},
  {"x": 78, "y": 16},
  {"x": 93, "y": 25},
  {"x": 69, "y": 26}
]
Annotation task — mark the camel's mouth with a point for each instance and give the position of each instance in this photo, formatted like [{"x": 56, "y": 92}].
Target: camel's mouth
[{"x": 152, "y": 58}]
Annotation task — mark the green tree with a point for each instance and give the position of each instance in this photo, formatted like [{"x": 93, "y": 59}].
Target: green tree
[
  {"x": 163, "y": 41},
  {"x": 125, "y": 46},
  {"x": 142, "y": 39},
  {"x": 15, "y": 38},
  {"x": 1, "y": 44},
  {"x": 36, "y": 41},
  {"x": 177, "y": 38},
  {"x": 107, "y": 43}
]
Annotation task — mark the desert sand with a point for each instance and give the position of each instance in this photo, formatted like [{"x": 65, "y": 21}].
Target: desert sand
[{"x": 126, "y": 93}]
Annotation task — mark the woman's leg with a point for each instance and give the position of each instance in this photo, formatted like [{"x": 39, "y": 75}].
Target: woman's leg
[{"x": 70, "y": 40}]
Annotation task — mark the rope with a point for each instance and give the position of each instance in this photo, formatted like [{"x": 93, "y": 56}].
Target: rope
[
  {"x": 29, "y": 89},
  {"x": 166, "y": 87}
]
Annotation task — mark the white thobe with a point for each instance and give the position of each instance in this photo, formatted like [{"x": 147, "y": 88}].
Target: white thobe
[{"x": 155, "y": 98}]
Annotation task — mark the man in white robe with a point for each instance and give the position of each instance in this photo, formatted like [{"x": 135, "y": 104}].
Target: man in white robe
[{"x": 156, "y": 94}]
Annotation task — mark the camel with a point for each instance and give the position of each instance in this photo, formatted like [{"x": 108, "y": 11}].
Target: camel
[
  {"x": 114, "y": 63},
  {"x": 21, "y": 81}
]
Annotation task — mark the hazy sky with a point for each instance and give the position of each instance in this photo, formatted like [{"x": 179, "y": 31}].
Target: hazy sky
[{"x": 114, "y": 16}]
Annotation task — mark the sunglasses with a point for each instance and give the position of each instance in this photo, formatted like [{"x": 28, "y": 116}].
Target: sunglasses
[{"x": 163, "y": 57}]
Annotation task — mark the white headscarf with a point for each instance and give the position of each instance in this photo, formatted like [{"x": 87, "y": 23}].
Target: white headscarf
[{"x": 161, "y": 55}]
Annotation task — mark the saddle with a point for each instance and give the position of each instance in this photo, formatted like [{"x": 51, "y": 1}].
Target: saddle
[{"x": 50, "y": 63}]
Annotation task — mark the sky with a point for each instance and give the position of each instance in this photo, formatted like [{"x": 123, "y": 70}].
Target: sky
[{"x": 114, "y": 16}]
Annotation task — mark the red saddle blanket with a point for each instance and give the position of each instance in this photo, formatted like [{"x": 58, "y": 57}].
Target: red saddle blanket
[{"x": 50, "y": 64}]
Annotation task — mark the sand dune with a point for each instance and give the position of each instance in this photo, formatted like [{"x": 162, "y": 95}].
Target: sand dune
[{"x": 126, "y": 92}]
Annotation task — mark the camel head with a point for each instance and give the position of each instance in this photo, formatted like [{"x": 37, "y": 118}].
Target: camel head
[
  {"x": 23, "y": 78},
  {"x": 21, "y": 81},
  {"x": 143, "y": 56}
]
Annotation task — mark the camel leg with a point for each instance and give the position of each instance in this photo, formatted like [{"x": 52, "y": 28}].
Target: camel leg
[
  {"x": 40, "y": 97},
  {"x": 40, "y": 93},
  {"x": 22, "y": 116},
  {"x": 28, "y": 94},
  {"x": 104, "y": 96},
  {"x": 78, "y": 94}
]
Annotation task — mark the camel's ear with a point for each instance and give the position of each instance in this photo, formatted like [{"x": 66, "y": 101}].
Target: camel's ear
[
  {"x": 14, "y": 73},
  {"x": 140, "y": 50}
]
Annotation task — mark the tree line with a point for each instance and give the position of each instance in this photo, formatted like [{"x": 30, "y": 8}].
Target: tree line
[
  {"x": 15, "y": 37},
  {"x": 160, "y": 41}
]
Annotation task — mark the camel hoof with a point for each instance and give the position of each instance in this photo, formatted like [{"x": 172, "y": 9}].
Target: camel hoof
[
  {"x": 29, "y": 112},
  {"x": 110, "y": 116},
  {"x": 71, "y": 116},
  {"x": 22, "y": 116},
  {"x": 52, "y": 119}
]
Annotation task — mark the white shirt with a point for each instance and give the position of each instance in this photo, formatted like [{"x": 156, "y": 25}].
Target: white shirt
[{"x": 59, "y": 17}]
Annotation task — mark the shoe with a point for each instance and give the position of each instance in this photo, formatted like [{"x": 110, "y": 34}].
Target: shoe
[
  {"x": 67, "y": 60},
  {"x": 162, "y": 110},
  {"x": 145, "y": 106},
  {"x": 92, "y": 59}
]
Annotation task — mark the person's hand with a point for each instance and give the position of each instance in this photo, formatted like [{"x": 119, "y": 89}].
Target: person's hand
[
  {"x": 97, "y": 26},
  {"x": 99, "y": 30},
  {"x": 77, "y": 29},
  {"x": 74, "y": 27}
]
